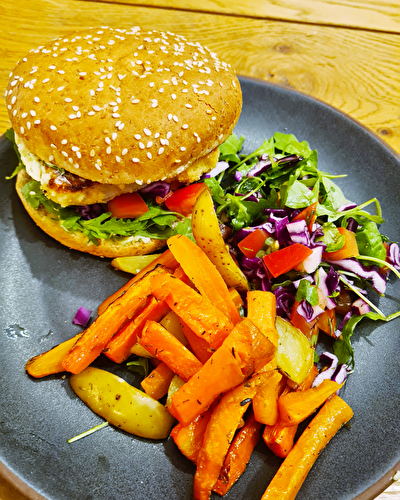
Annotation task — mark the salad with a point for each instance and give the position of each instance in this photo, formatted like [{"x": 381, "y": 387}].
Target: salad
[{"x": 232, "y": 316}]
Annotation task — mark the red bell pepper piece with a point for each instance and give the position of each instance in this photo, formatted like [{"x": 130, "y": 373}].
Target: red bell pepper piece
[
  {"x": 128, "y": 205},
  {"x": 183, "y": 199},
  {"x": 285, "y": 259},
  {"x": 253, "y": 243}
]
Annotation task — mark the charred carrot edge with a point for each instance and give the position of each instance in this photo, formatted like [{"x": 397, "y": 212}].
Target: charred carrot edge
[
  {"x": 238, "y": 455},
  {"x": 167, "y": 348},
  {"x": 166, "y": 259},
  {"x": 156, "y": 384},
  {"x": 196, "y": 311},
  {"x": 261, "y": 309},
  {"x": 118, "y": 313},
  {"x": 119, "y": 347},
  {"x": 297, "y": 406},
  {"x": 291, "y": 474},
  {"x": 219, "y": 434},
  {"x": 189, "y": 438},
  {"x": 202, "y": 272},
  {"x": 50, "y": 362}
]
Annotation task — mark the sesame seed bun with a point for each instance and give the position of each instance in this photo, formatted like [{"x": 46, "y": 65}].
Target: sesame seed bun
[
  {"x": 120, "y": 106},
  {"x": 111, "y": 248}
]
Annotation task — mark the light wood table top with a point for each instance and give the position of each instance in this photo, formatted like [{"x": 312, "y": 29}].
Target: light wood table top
[{"x": 344, "y": 52}]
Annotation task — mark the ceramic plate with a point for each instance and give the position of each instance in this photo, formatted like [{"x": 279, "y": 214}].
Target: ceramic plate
[{"x": 43, "y": 284}]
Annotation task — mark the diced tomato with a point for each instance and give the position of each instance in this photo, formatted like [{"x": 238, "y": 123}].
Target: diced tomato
[
  {"x": 128, "y": 205},
  {"x": 309, "y": 214},
  {"x": 253, "y": 243},
  {"x": 285, "y": 259},
  {"x": 183, "y": 199},
  {"x": 349, "y": 249}
]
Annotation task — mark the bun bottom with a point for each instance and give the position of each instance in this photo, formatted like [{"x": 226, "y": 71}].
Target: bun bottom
[{"x": 111, "y": 248}]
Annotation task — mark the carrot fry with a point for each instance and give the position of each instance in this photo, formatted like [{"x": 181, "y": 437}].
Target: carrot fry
[
  {"x": 199, "y": 346},
  {"x": 196, "y": 311},
  {"x": 297, "y": 406},
  {"x": 119, "y": 347},
  {"x": 166, "y": 259},
  {"x": 236, "y": 298},
  {"x": 219, "y": 434},
  {"x": 265, "y": 402},
  {"x": 261, "y": 310},
  {"x": 165, "y": 347},
  {"x": 250, "y": 346},
  {"x": 202, "y": 272},
  {"x": 294, "y": 469},
  {"x": 50, "y": 362},
  {"x": 189, "y": 438},
  {"x": 219, "y": 374},
  {"x": 99, "y": 333},
  {"x": 238, "y": 455},
  {"x": 280, "y": 437},
  {"x": 156, "y": 384}
]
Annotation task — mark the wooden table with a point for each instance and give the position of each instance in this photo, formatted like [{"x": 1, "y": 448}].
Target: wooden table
[{"x": 344, "y": 52}]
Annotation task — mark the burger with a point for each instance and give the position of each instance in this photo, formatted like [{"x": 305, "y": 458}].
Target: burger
[{"x": 105, "y": 119}]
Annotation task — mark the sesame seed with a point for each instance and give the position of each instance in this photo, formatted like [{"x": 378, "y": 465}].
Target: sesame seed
[
  {"x": 149, "y": 144},
  {"x": 137, "y": 136},
  {"x": 124, "y": 151},
  {"x": 75, "y": 148},
  {"x": 51, "y": 158},
  {"x": 53, "y": 127},
  {"x": 169, "y": 135},
  {"x": 149, "y": 156},
  {"x": 92, "y": 153},
  {"x": 28, "y": 124},
  {"x": 65, "y": 154},
  {"x": 170, "y": 116},
  {"x": 118, "y": 159},
  {"x": 135, "y": 101},
  {"x": 114, "y": 136},
  {"x": 91, "y": 113},
  {"x": 24, "y": 115},
  {"x": 36, "y": 122},
  {"x": 108, "y": 150},
  {"x": 116, "y": 115},
  {"x": 183, "y": 148},
  {"x": 135, "y": 160},
  {"x": 64, "y": 141},
  {"x": 120, "y": 127},
  {"x": 61, "y": 88},
  {"x": 75, "y": 108},
  {"x": 188, "y": 106},
  {"x": 185, "y": 126},
  {"x": 32, "y": 112},
  {"x": 141, "y": 145},
  {"x": 161, "y": 151},
  {"x": 36, "y": 99},
  {"x": 147, "y": 131},
  {"x": 72, "y": 116},
  {"x": 173, "y": 96},
  {"x": 108, "y": 140}
]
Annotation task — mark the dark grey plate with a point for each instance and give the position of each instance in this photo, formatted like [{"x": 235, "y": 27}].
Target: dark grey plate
[{"x": 43, "y": 284}]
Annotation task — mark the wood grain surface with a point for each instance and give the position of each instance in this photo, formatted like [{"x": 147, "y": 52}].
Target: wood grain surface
[
  {"x": 356, "y": 71},
  {"x": 377, "y": 15}
]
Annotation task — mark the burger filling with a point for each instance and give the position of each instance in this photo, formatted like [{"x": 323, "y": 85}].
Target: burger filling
[{"x": 95, "y": 209}]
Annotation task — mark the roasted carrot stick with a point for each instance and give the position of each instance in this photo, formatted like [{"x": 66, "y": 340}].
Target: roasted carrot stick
[
  {"x": 294, "y": 469},
  {"x": 219, "y": 434},
  {"x": 196, "y": 311},
  {"x": 189, "y": 438},
  {"x": 118, "y": 313},
  {"x": 202, "y": 272},
  {"x": 280, "y": 437},
  {"x": 265, "y": 402},
  {"x": 295, "y": 407},
  {"x": 50, "y": 362},
  {"x": 250, "y": 346},
  {"x": 219, "y": 374},
  {"x": 165, "y": 347},
  {"x": 165, "y": 259},
  {"x": 199, "y": 346},
  {"x": 238, "y": 455},
  {"x": 157, "y": 382},
  {"x": 119, "y": 347},
  {"x": 261, "y": 310}
]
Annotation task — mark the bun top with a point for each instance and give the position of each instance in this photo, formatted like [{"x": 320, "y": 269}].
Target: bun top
[{"x": 123, "y": 105}]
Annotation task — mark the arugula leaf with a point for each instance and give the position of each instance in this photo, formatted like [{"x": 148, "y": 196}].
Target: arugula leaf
[
  {"x": 229, "y": 149},
  {"x": 307, "y": 292},
  {"x": 10, "y": 135},
  {"x": 332, "y": 238},
  {"x": 369, "y": 241},
  {"x": 342, "y": 348}
]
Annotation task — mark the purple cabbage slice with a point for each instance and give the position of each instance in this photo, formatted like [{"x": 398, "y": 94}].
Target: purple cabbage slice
[
  {"x": 330, "y": 369},
  {"x": 157, "y": 188},
  {"x": 265, "y": 163},
  {"x": 82, "y": 316},
  {"x": 298, "y": 232},
  {"x": 368, "y": 273},
  {"x": 221, "y": 166}
]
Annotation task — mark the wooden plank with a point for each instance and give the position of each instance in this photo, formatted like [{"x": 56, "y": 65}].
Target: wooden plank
[
  {"x": 354, "y": 70},
  {"x": 381, "y": 15}
]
